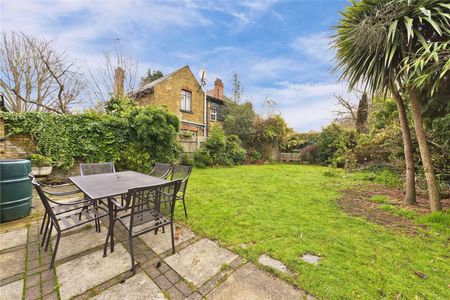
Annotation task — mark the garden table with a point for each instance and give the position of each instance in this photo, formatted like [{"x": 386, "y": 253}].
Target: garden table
[{"x": 109, "y": 185}]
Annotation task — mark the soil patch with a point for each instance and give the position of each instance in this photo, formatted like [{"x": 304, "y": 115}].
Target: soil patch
[{"x": 356, "y": 202}]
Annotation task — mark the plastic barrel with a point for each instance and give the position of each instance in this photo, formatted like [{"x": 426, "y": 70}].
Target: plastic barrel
[{"x": 15, "y": 189}]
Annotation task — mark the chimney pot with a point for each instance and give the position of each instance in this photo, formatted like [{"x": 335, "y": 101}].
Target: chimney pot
[{"x": 218, "y": 88}]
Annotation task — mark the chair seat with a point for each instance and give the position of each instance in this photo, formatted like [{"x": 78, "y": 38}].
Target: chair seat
[
  {"x": 144, "y": 221},
  {"x": 68, "y": 206},
  {"x": 72, "y": 218}
]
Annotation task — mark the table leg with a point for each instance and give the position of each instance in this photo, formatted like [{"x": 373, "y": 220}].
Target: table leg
[{"x": 110, "y": 229}]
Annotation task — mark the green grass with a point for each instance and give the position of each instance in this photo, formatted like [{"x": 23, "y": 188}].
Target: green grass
[
  {"x": 379, "y": 199},
  {"x": 288, "y": 210},
  {"x": 398, "y": 211}
]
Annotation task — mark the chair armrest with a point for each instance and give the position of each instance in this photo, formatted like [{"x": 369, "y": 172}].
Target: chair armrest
[
  {"x": 62, "y": 193},
  {"x": 76, "y": 201},
  {"x": 55, "y": 186}
]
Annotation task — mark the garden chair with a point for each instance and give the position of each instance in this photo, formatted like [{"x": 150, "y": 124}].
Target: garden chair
[
  {"x": 183, "y": 173},
  {"x": 50, "y": 190},
  {"x": 161, "y": 170},
  {"x": 151, "y": 208},
  {"x": 64, "y": 216},
  {"x": 96, "y": 168}
]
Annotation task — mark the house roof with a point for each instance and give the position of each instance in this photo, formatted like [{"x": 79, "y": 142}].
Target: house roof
[{"x": 152, "y": 84}]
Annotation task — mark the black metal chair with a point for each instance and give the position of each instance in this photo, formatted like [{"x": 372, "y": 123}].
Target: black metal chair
[
  {"x": 50, "y": 190},
  {"x": 161, "y": 170},
  {"x": 96, "y": 168},
  {"x": 151, "y": 208},
  {"x": 64, "y": 216},
  {"x": 183, "y": 173}
]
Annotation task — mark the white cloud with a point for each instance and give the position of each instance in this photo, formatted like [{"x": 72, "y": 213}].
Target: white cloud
[
  {"x": 316, "y": 46},
  {"x": 306, "y": 106}
]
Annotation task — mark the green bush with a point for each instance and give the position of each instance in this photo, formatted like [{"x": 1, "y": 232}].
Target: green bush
[
  {"x": 38, "y": 160},
  {"x": 186, "y": 159},
  {"x": 334, "y": 143},
  {"x": 202, "y": 159},
  {"x": 134, "y": 139},
  {"x": 220, "y": 149}
]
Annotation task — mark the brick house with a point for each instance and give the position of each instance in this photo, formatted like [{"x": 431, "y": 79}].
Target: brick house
[{"x": 181, "y": 94}]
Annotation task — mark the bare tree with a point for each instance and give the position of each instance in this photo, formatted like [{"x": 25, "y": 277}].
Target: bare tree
[
  {"x": 351, "y": 114},
  {"x": 346, "y": 112},
  {"x": 104, "y": 77},
  {"x": 34, "y": 76}
]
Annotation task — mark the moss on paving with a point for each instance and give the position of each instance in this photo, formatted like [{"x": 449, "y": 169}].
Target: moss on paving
[{"x": 286, "y": 211}]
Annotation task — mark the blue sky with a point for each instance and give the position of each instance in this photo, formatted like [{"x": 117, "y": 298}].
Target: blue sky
[{"x": 279, "y": 48}]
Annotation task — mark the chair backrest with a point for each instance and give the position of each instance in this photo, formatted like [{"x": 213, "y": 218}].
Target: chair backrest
[
  {"x": 161, "y": 170},
  {"x": 45, "y": 200},
  {"x": 96, "y": 168},
  {"x": 158, "y": 198},
  {"x": 183, "y": 173}
]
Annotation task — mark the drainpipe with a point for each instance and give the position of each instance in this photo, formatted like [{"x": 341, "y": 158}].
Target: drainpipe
[{"x": 204, "y": 113}]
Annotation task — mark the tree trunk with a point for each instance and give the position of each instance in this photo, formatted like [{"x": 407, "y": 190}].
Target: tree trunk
[
  {"x": 362, "y": 114},
  {"x": 410, "y": 196},
  {"x": 433, "y": 190}
]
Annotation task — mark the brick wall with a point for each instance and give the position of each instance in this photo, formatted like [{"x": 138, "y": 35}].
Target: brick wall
[
  {"x": 168, "y": 94},
  {"x": 18, "y": 146}
]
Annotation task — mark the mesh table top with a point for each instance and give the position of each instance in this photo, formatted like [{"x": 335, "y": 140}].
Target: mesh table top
[{"x": 113, "y": 184}]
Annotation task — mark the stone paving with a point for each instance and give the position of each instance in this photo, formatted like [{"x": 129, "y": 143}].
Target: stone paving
[{"x": 200, "y": 268}]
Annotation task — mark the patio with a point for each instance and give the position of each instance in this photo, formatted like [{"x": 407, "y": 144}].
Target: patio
[{"x": 200, "y": 268}]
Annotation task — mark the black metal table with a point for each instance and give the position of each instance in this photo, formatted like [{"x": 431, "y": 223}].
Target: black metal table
[{"x": 109, "y": 185}]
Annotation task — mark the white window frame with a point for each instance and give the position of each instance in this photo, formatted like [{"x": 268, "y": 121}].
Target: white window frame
[
  {"x": 213, "y": 114},
  {"x": 186, "y": 101}
]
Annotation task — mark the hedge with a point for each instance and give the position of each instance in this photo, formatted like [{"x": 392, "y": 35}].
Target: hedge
[{"x": 134, "y": 140}]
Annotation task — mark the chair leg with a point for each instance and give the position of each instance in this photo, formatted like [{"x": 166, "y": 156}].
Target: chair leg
[
  {"x": 133, "y": 266},
  {"x": 43, "y": 222},
  {"x": 48, "y": 238},
  {"x": 185, "y": 211},
  {"x": 55, "y": 250},
  {"x": 173, "y": 238},
  {"x": 47, "y": 224}
]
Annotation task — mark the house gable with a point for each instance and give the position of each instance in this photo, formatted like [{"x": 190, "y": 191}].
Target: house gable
[{"x": 167, "y": 92}]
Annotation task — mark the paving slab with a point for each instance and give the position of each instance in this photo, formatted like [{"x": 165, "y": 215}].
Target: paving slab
[
  {"x": 88, "y": 271},
  {"x": 138, "y": 287},
  {"x": 12, "y": 291},
  {"x": 79, "y": 242},
  {"x": 273, "y": 263},
  {"x": 200, "y": 261},
  {"x": 12, "y": 263},
  {"x": 161, "y": 242},
  {"x": 250, "y": 283},
  {"x": 14, "y": 238},
  {"x": 311, "y": 258}
]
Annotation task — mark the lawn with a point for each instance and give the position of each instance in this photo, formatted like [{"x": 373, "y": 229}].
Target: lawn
[{"x": 286, "y": 211}]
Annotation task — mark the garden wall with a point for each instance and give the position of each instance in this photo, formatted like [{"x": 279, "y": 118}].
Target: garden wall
[{"x": 18, "y": 146}]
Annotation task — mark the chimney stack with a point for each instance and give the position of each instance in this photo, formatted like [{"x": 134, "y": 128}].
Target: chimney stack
[
  {"x": 119, "y": 75},
  {"x": 218, "y": 89}
]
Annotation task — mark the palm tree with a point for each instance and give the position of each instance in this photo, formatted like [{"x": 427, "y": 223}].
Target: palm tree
[{"x": 373, "y": 39}]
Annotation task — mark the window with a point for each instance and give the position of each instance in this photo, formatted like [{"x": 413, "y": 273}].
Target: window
[
  {"x": 213, "y": 114},
  {"x": 186, "y": 101}
]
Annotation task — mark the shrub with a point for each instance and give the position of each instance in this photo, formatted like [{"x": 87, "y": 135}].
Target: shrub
[
  {"x": 186, "y": 159},
  {"x": 38, "y": 160},
  {"x": 219, "y": 149},
  {"x": 202, "y": 159},
  {"x": 334, "y": 142},
  {"x": 134, "y": 140}
]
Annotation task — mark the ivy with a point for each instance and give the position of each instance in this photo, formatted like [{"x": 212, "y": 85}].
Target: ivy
[{"x": 134, "y": 140}]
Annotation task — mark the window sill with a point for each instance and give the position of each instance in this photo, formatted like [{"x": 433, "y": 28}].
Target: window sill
[{"x": 186, "y": 111}]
